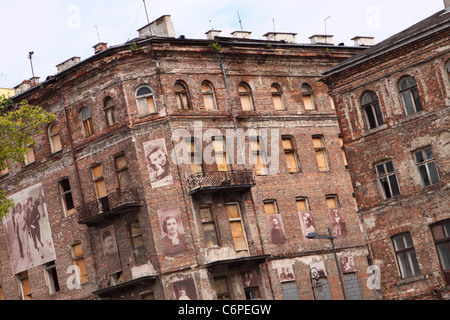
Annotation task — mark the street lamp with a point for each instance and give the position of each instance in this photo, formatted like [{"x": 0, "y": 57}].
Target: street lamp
[{"x": 315, "y": 235}]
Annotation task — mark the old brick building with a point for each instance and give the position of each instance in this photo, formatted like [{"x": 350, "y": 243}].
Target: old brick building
[
  {"x": 186, "y": 167},
  {"x": 393, "y": 102}
]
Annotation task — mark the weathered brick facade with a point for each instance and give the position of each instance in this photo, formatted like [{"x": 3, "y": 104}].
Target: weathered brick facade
[
  {"x": 207, "y": 271},
  {"x": 418, "y": 207}
]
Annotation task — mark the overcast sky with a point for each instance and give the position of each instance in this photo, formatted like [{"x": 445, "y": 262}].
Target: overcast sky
[{"x": 57, "y": 30}]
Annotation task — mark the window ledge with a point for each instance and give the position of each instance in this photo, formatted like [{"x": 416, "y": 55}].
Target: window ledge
[
  {"x": 411, "y": 116},
  {"x": 375, "y": 130}
]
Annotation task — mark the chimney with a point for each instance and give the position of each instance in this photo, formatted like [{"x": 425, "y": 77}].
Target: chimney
[
  {"x": 281, "y": 36},
  {"x": 211, "y": 34},
  {"x": 321, "y": 39},
  {"x": 67, "y": 64},
  {"x": 363, "y": 41},
  {"x": 34, "y": 81},
  {"x": 447, "y": 5},
  {"x": 99, "y": 47},
  {"x": 161, "y": 27},
  {"x": 241, "y": 34},
  {"x": 24, "y": 86}
]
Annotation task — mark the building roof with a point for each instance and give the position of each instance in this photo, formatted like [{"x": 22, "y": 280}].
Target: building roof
[{"x": 436, "y": 22}]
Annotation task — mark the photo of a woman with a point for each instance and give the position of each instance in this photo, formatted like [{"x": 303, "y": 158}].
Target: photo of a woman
[{"x": 173, "y": 232}]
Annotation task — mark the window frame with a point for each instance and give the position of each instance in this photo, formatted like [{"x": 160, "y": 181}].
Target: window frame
[
  {"x": 98, "y": 180},
  {"x": 412, "y": 92},
  {"x": 82, "y": 277},
  {"x": 52, "y": 136},
  {"x": 145, "y": 96},
  {"x": 86, "y": 122},
  {"x": 308, "y": 92},
  {"x": 277, "y": 94},
  {"x": 212, "y": 221},
  {"x": 194, "y": 155},
  {"x": 445, "y": 239},
  {"x": 209, "y": 93},
  {"x": 119, "y": 171},
  {"x": 221, "y": 154},
  {"x": 426, "y": 163},
  {"x": 405, "y": 250},
  {"x": 247, "y": 94},
  {"x": 109, "y": 108},
  {"x": 319, "y": 150},
  {"x": 29, "y": 156},
  {"x": 182, "y": 96},
  {"x": 386, "y": 175},
  {"x": 293, "y": 151},
  {"x": 62, "y": 193},
  {"x": 258, "y": 154},
  {"x": 241, "y": 221},
  {"x": 138, "y": 251},
  {"x": 375, "y": 115},
  {"x": 51, "y": 276}
]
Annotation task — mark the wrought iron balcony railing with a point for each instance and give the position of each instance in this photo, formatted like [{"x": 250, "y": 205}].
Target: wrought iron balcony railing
[
  {"x": 113, "y": 203},
  {"x": 215, "y": 181}
]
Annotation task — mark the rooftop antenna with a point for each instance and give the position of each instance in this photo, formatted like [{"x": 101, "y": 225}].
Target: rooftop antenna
[
  {"x": 98, "y": 34},
  {"x": 240, "y": 21},
  {"x": 30, "y": 56},
  {"x": 146, "y": 14},
  {"x": 273, "y": 21},
  {"x": 212, "y": 28},
  {"x": 325, "y": 21}
]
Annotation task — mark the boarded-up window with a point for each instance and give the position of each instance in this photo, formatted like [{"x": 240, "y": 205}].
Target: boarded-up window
[
  {"x": 121, "y": 167},
  {"x": 137, "y": 241},
  {"x": 308, "y": 98},
  {"x": 86, "y": 120},
  {"x": 145, "y": 101},
  {"x": 54, "y": 137},
  {"x": 290, "y": 154},
  {"x": 344, "y": 157},
  {"x": 441, "y": 235},
  {"x": 208, "y": 96},
  {"x": 182, "y": 96},
  {"x": 66, "y": 197},
  {"x": 270, "y": 207},
  {"x": 195, "y": 155},
  {"x": 223, "y": 288},
  {"x": 25, "y": 285},
  {"x": 220, "y": 154},
  {"x": 99, "y": 181},
  {"x": 302, "y": 204},
  {"x": 4, "y": 171},
  {"x": 29, "y": 156},
  {"x": 209, "y": 228},
  {"x": 245, "y": 97},
  {"x": 110, "y": 113},
  {"x": 237, "y": 229},
  {"x": 77, "y": 251},
  {"x": 320, "y": 153},
  {"x": 332, "y": 202},
  {"x": 258, "y": 156},
  {"x": 277, "y": 97}
]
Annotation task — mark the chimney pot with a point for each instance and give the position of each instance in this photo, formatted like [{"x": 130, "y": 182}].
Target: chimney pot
[
  {"x": 363, "y": 41},
  {"x": 161, "y": 27},
  {"x": 68, "y": 63},
  {"x": 211, "y": 34},
  {"x": 99, "y": 47},
  {"x": 241, "y": 34},
  {"x": 281, "y": 36},
  {"x": 322, "y": 39}
]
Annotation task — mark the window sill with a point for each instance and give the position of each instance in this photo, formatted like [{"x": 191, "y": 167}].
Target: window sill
[
  {"x": 375, "y": 130},
  {"x": 412, "y": 116}
]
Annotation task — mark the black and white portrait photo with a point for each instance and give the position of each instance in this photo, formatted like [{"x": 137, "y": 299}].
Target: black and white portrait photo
[
  {"x": 110, "y": 250},
  {"x": 318, "y": 269},
  {"x": 28, "y": 230},
  {"x": 347, "y": 264},
  {"x": 337, "y": 222},
  {"x": 307, "y": 222},
  {"x": 285, "y": 273},
  {"x": 185, "y": 289},
  {"x": 249, "y": 279},
  {"x": 276, "y": 227},
  {"x": 172, "y": 231},
  {"x": 158, "y": 163}
]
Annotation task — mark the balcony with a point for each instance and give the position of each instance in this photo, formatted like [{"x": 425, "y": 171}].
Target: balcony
[
  {"x": 109, "y": 207},
  {"x": 211, "y": 182}
]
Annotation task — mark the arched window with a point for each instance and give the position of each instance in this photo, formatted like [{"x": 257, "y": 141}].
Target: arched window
[
  {"x": 308, "y": 97},
  {"x": 182, "y": 95},
  {"x": 372, "y": 111},
  {"x": 410, "y": 95},
  {"x": 145, "y": 100},
  {"x": 86, "y": 120},
  {"x": 245, "y": 96},
  {"x": 209, "y": 97},
  {"x": 277, "y": 97},
  {"x": 110, "y": 114},
  {"x": 54, "y": 138}
]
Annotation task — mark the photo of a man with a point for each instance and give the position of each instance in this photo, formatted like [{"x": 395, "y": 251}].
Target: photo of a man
[
  {"x": 158, "y": 163},
  {"x": 110, "y": 250},
  {"x": 275, "y": 224},
  {"x": 28, "y": 230},
  {"x": 337, "y": 222},
  {"x": 185, "y": 289}
]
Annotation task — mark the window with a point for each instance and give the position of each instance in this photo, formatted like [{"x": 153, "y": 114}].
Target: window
[
  {"x": 308, "y": 98},
  {"x": 406, "y": 255},
  {"x": 77, "y": 254},
  {"x": 51, "y": 277},
  {"x": 410, "y": 95},
  {"x": 320, "y": 151},
  {"x": 110, "y": 113},
  {"x": 344, "y": 157},
  {"x": 426, "y": 166},
  {"x": 223, "y": 288},
  {"x": 387, "y": 179},
  {"x": 54, "y": 137},
  {"x": 209, "y": 97},
  {"x": 137, "y": 241},
  {"x": 252, "y": 293},
  {"x": 237, "y": 229},
  {"x": 372, "y": 111},
  {"x": 259, "y": 159},
  {"x": 66, "y": 197},
  {"x": 290, "y": 154},
  {"x": 277, "y": 97},
  {"x": 182, "y": 95},
  {"x": 302, "y": 204},
  {"x": 220, "y": 152},
  {"x": 441, "y": 235},
  {"x": 332, "y": 201},
  {"x": 209, "y": 227},
  {"x": 270, "y": 207},
  {"x": 121, "y": 167},
  {"x": 2, "y": 293},
  {"x": 145, "y": 100},
  {"x": 245, "y": 96},
  {"x": 86, "y": 120},
  {"x": 99, "y": 181},
  {"x": 29, "y": 157},
  {"x": 195, "y": 156},
  {"x": 25, "y": 286}
]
